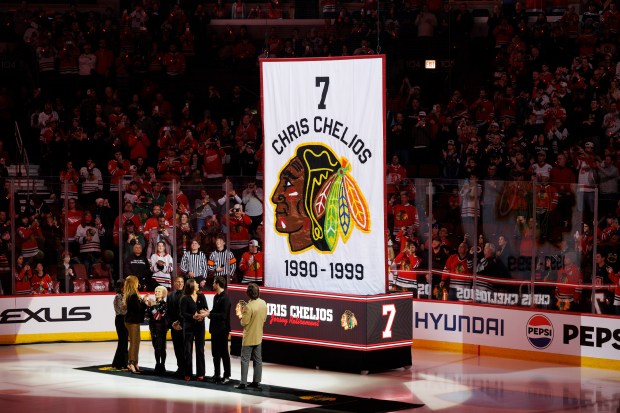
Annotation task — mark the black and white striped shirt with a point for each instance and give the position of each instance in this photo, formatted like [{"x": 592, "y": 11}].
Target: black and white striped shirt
[
  {"x": 218, "y": 259},
  {"x": 194, "y": 262}
]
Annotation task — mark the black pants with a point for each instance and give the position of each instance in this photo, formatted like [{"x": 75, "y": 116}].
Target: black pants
[
  {"x": 120, "y": 357},
  {"x": 219, "y": 351},
  {"x": 158, "y": 339},
  {"x": 179, "y": 350},
  {"x": 191, "y": 334}
]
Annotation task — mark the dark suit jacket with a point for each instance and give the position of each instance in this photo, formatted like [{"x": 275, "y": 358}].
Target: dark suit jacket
[
  {"x": 174, "y": 302},
  {"x": 219, "y": 317}
]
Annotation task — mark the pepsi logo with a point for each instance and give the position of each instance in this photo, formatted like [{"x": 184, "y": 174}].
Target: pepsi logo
[{"x": 539, "y": 331}]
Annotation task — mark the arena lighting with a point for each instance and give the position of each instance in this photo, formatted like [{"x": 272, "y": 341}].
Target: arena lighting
[{"x": 429, "y": 64}]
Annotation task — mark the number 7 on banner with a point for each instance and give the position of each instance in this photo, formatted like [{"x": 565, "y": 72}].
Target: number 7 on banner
[{"x": 390, "y": 311}]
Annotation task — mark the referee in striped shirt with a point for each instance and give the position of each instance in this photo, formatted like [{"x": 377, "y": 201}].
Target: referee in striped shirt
[
  {"x": 222, "y": 262},
  {"x": 194, "y": 264}
]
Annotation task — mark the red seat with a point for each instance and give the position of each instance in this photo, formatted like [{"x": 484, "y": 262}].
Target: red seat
[
  {"x": 79, "y": 286},
  {"x": 80, "y": 271},
  {"x": 56, "y": 287},
  {"x": 101, "y": 270},
  {"x": 100, "y": 285}
]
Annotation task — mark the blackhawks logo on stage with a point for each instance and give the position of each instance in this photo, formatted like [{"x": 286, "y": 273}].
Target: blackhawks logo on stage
[
  {"x": 348, "y": 320},
  {"x": 317, "y": 201}
]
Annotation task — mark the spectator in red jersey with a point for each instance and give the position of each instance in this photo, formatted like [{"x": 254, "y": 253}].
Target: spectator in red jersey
[
  {"x": 138, "y": 144},
  {"x": 612, "y": 228},
  {"x": 213, "y": 159},
  {"x": 104, "y": 61},
  {"x": 117, "y": 168},
  {"x": 482, "y": 110},
  {"x": 244, "y": 53},
  {"x": 161, "y": 107},
  {"x": 41, "y": 281},
  {"x": 206, "y": 128},
  {"x": 570, "y": 295},
  {"x": 127, "y": 215},
  {"x": 174, "y": 62},
  {"x": 69, "y": 179},
  {"x": 174, "y": 68},
  {"x": 153, "y": 220},
  {"x": 457, "y": 106},
  {"x": 404, "y": 213},
  {"x": 23, "y": 274},
  {"x": 458, "y": 270},
  {"x": 188, "y": 141},
  {"x": 169, "y": 168},
  {"x": 503, "y": 33},
  {"x": 187, "y": 40},
  {"x": 405, "y": 235},
  {"x": 246, "y": 131},
  {"x": 407, "y": 261},
  {"x": 72, "y": 217},
  {"x": 395, "y": 173},
  {"x": 252, "y": 264},
  {"x": 238, "y": 223}
]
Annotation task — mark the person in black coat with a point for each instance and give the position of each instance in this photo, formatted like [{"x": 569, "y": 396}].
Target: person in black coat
[
  {"x": 138, "y": 264},
  {"x": 158, "y": 325},
  {"x": 174, "y": 323},
  {"x": 219, "y": 327},
  {"x": 193, "y": 310},
  {"x": 490, "y": 266}
]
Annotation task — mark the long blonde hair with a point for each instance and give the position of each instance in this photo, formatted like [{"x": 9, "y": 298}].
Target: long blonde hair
[{"x": 131, "y": 287}]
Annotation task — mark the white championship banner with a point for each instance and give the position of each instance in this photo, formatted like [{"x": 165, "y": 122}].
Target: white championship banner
[{"x": 324, "y": 144}]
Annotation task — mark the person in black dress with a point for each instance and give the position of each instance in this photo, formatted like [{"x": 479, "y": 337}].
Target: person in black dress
[
  {"x": 193, "y": 310},
  {"x": 219, "y": 327},
  {"x": 158, "y": 325},
  {"x": 174, "y": 323}
]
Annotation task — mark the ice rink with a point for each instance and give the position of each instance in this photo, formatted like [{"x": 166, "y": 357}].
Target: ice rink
[{"x": 43, "y": 378}]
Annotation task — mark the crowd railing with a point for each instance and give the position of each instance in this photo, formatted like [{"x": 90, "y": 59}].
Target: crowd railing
[
  {"x": 524, "y": 243},
  {"x": 533, "y": 244}
]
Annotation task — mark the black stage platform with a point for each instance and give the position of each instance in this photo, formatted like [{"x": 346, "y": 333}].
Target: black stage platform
[
  {"x": 338, "y": 332},
  {"x": 327, "y": 402}
]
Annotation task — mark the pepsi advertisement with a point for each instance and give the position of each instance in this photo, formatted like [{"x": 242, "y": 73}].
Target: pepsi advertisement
[{"x": 573, "y": 338}]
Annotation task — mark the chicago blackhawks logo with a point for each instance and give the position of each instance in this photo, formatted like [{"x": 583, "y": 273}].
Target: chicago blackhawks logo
[
  {"x": 316, "y": 201},
  {"x": 348, "y": 320}
]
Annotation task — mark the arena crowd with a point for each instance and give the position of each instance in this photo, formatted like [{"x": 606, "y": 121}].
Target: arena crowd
[{"x": 152, "y": 142}]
